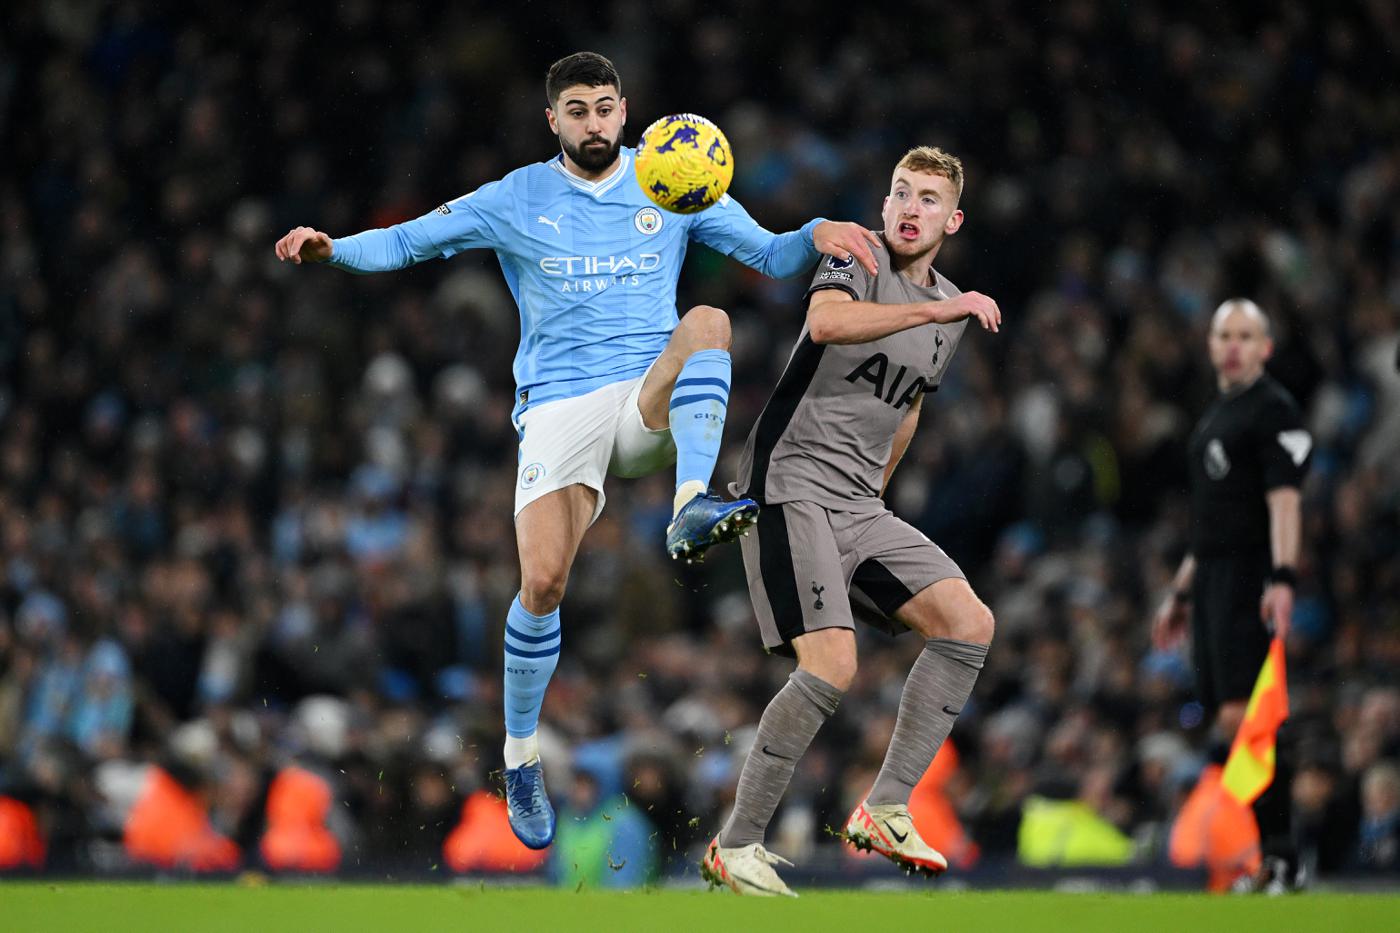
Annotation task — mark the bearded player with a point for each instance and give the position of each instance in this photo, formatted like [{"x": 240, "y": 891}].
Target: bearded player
[{"x": 608, "y": 378}]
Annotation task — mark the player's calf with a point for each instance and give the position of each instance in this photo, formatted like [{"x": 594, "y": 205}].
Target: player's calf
[{"x": 702, "y": 329}]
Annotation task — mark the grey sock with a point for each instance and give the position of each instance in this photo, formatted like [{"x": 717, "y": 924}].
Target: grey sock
[
  {"x": 939, "y": 684},
  {"x": 786, "y": 729}
]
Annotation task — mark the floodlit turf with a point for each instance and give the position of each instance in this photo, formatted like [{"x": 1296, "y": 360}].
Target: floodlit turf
[{"x": 104, "y": 908}]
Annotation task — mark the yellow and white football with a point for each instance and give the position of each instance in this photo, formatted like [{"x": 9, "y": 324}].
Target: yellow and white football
[{"x": 684, "y": 163}]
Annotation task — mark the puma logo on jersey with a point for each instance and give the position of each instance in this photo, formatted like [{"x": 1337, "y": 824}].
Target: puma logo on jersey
[
  {"x": 550, "y": 223},
  {"x": 875, "y": 371}
]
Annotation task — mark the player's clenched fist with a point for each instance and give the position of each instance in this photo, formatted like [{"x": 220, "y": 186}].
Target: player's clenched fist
[
  {"x": 966, "y": 305},
  {"x": 304, "y": 245}
]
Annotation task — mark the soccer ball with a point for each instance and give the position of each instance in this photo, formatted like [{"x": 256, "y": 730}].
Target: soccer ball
[{"x": 684, "y": 163}]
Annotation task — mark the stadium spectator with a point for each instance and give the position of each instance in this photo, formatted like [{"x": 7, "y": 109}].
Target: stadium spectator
[
  {"x": 603, "y": 841},
  {"x": 1378, "y": 845}
]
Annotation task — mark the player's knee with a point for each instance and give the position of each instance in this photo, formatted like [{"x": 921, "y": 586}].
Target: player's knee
[
  {"x": 845, "y": 673},
  {"x": 966, "y": 620},
  {"x": 836, "y": 668},
  {"x": 709, "y": 328},
  {"x": 977, "y": 625},
  {"x": 542, "y": 588}
]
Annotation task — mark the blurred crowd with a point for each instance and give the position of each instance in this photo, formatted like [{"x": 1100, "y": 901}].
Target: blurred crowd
[{"x": 255, "y": 520}]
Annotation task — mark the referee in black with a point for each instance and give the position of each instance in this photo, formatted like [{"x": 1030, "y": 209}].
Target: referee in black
[{"x": 1249, "y": 453}]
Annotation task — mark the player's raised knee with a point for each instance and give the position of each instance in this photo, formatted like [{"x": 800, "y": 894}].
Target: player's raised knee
[
  {"x": 707, "y": 328},
  {"x": 542, "y": 588}
]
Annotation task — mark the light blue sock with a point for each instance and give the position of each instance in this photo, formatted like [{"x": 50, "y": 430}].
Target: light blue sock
[
  {"x": 698, "y": 406},
  {"x": 532, "y": 654}
]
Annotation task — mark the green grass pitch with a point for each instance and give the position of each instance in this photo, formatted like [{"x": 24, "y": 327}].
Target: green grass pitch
[{"x": 192, "y": 908}]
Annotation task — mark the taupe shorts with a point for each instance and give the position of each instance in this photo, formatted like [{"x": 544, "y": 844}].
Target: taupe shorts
[{"x": 812, "y": 568}]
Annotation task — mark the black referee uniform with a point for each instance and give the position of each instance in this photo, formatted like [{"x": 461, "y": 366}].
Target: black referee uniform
[{"x": 1248, "y": 442}]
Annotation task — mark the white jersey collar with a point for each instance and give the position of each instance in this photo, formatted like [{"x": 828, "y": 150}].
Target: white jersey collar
[{"x": 601, "y": 186}]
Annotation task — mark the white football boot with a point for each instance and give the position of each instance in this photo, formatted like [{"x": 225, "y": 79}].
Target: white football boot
[
  {"x": 889, "y": 830},
  {"x": 744, "y": 870}
]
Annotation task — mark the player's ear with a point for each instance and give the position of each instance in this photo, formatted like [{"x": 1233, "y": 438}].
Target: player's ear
[
  {"x": 551, "y": 120},
  {"x": 955, "y": 220},
  {"x": 622, "y": 109}
]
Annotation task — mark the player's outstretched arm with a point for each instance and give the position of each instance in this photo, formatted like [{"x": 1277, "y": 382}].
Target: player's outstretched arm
[
  {"x": 727, "y": 228},
  {"x": 384, "y": 250},
  {"x": 968, "y": 304},
  {"x": 833, "y": 316},
  {"x": 466, "y": 223}
]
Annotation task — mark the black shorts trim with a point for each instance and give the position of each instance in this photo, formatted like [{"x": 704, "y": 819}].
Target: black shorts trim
[
  {"x": 884, "y": 588},
  {"x": 779, "y": 578},
  {"x": 777, "y": 415}
]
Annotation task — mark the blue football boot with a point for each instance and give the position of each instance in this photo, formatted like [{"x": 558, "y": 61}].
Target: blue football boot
[
  {"x": 531, "y": 816},
  {"x": 707, "y": 520}
]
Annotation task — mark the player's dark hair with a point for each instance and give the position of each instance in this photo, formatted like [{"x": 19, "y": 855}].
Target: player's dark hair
[{"x": 587, "y": 68}]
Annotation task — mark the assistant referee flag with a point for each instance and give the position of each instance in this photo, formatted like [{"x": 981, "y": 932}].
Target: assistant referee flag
[{"x": 1250, "y": 768}]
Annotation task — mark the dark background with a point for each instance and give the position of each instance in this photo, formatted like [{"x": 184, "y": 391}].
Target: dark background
[{"x": 228, "y": 485}]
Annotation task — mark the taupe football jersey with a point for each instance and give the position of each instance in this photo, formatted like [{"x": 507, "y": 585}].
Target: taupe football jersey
[{"x": 826, "y": 433}]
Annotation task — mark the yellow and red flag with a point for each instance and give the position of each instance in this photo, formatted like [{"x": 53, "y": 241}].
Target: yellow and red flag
[{"x": 1250, "y": 768}]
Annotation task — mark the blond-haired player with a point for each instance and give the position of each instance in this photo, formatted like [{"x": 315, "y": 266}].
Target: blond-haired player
[{"x": 826, "y": 548}]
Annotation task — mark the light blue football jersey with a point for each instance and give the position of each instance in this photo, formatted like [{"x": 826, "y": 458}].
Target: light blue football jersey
[{"x": 592, "y": 266}]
